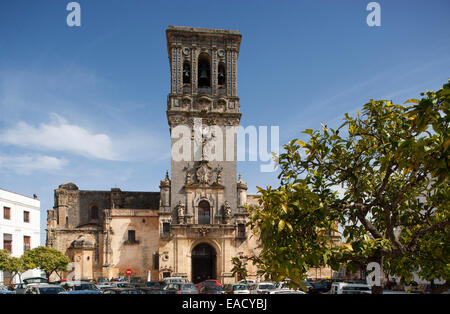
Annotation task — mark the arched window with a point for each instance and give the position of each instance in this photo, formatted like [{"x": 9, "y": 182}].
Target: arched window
[
  {"x": 186, "y": 72},
  {"x": 94, "y": 212},
  {"x": 204, "y": 71},
  {"x": 204, "y": 213},
  {"x": 221, "y": 74}
]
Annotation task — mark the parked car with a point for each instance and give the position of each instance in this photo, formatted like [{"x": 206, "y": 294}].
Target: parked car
[
  {"x": 240, "y": 288},
  {"x": 262, "y": 288},
  {"x": 5, "y": 290},
  {"x": 44, "y": 288},
  {"x": 103, "y": 286},
  {"x": 168, "y": 280},
  {"x": 180, "y": 288},
  {"x": 122, "y": 291},
  {"x": 121, "y": 284},
  {"x": 19, "y": 288},
  {"x": 211, "y": 289},
  {"x": 317, "y": 288},
  {"x": 350, "y": 288},
  {"x": 153, "y": 287},
  {"x": 286, "y": 285},
  {"x": 80, "y": 287},
  {"x": 328, "y": 282},
  {"x": 102, "y": 280},
  {"x": 209, "y": 282},
  {"x": 247, "y": 281}
]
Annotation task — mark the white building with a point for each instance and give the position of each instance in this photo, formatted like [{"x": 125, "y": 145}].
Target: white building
[{"x": 19, "y": 227}]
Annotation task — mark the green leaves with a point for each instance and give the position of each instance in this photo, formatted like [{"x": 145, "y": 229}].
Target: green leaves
[{"x": 391, "y": 157}]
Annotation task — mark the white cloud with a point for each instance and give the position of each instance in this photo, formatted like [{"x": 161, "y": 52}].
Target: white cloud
[
  {"x": 59, "y": 135},
  {"x": 25, "y": 164}
]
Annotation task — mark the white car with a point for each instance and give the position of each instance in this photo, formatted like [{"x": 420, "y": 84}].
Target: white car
[
  {"x": 168, "y": 280},
  {"x": 262, "y": 287},
  {"x": 350, "y": 288},
  {"x": 44, "y": 288}
]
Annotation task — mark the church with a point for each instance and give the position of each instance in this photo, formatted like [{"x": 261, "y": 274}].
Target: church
[{"x": 196, "y": 223}]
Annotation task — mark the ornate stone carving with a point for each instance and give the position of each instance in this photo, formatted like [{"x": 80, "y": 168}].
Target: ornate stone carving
[
  {"x": 180, "y": 211},
  {"x": 203, "y": 172},
  {"x": 227, "y": 209},
  {"x": 203, "y": 231}
]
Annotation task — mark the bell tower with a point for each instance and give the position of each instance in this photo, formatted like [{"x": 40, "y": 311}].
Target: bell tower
[{"x": 203, "y": 200}]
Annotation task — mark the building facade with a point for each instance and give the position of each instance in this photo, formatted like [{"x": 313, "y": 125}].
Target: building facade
[
  {"x": 19, "y": 228},
  {"x": 196, "y": 223}
]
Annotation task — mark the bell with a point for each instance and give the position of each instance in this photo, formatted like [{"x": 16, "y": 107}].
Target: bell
[{"x": 203, "y": 75}]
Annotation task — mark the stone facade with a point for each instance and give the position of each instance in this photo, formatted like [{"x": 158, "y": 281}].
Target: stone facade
[{"x": 196, "y": 223}]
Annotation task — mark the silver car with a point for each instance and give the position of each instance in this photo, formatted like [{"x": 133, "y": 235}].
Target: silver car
[
  {"x": 44, "y": 288},
  {"x": 180, "y": 288}
]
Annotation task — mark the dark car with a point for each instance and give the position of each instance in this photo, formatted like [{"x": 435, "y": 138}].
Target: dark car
[
  {"x": 328, "y": 282},
  {"x": 317, "y": 288},
  {"x": 211, "y": 289},
  {"x": 122, "y": 291}
]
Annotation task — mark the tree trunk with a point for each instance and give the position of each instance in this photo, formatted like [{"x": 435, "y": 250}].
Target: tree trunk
[{"x": 377, "y": 290}]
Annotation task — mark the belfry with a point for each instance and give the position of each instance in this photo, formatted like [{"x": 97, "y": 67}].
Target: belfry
[{"x": 196, "y": 223}]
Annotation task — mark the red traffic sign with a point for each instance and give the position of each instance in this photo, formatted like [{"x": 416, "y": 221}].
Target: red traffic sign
[{"x": 129, "y": 272}]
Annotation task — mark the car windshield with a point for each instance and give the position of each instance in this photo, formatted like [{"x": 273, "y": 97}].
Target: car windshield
[
  {"x": 240, "y": 287},
  {"x": 50, "y": 290},
  {"x": 35, "y": 280},
  {"x": 188, "y": 286},
  {"x": 124, "y": 285},
  {"x": 154, "y": 284},
  {"x": 267, "y": 286},
  {"x": 209, "y": 283},
  {"x": 85, "y": 286}
]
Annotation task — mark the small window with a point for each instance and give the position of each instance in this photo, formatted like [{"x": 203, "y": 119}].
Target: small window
[
  {"x": 94, "y": 212},
  {"x": 131, "y": 236},
  {"x": 26, "y": 243},
  {"x": 7, "y": 242},
  {"x": 26, "y": 216},
  {"x": 6, "y": 213},
  {"x": 166, "y": 229},
  {"x": 241, "y": 231}
]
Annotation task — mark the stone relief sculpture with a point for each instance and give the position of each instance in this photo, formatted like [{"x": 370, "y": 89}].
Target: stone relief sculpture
[{"x": 180, "y": 210}]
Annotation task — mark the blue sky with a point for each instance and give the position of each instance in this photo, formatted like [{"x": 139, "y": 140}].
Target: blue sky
[{"x": 104, "y": 84}]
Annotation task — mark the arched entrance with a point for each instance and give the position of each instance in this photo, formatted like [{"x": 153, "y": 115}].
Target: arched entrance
[{"x": 203, "y": 263}]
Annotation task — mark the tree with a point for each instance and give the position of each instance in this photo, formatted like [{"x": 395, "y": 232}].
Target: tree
[
  {"x": 239, "y": 268},
  {"x": 13, "y": 265},
  {"x": 47, "y": 259},
  {"x": 382, "y": 176}
]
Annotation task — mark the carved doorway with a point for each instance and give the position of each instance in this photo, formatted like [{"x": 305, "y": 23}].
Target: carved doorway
[{"x": 203, "y": 263}]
